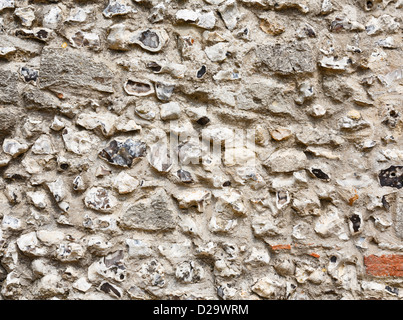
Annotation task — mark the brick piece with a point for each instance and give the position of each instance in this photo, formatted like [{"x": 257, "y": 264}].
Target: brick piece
[
  {"x": 281, "y": 247},
  {"x": 384, "y": 266}
]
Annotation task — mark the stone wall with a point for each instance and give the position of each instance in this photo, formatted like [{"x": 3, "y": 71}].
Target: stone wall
[{"x": 92, "y": 207}]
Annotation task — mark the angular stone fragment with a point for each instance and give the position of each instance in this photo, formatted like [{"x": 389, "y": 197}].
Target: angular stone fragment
[
  {"x": 28, "y": 243},
  {"x": 78, "y": 14},
  {"x": 81, "y": 39},
  {"x": 26, "y": 15},
  {"x": 112, "y": 290},
  {"x": 288, "y": 58},
  {"x": 193, "y": 198},
  {"x": 58, "y": 189},
  {"x": 109, "y": 267},
  {"x": 154, "y": 213},
  {"x": 230, "y": 14},
  {"x": 217, "y": 52},
  {"x": 78, "y": 142},
  {"x": 69, "y": 252},
  {"x": 187, "y": 15},
  {"x": 331, "y": 63},
  {"x": 103, "y": 122},
  {"x": 170, "y": 111},
  {"x": 300, "y": 5},
  {"x": 8, "y": 87},
  {"x": 184, "y": 176},
  {"x": 286, "y": 160},
  {"x": 118, "y": 37},
  {"x": 347, "y": 123},
  {"x": 189, "y": 272},
  {"x": 270, "y": 26},
  {"x": 125, "y": 183},
  {"x": 43, "y": 145},
  {"x": 159, "y": 157},
  {"x": 7, "y": 51},
  {"x": 313, "y": 136},
  {"x": 30, "y": 75},
  {"x": 329, "y": 224},
  {"x": 384, "y": 23},
  {"x": 270, "y": 287},
  {"x": 123, "y": 154},
  {"x": 157, "y": 13},
  {"x": 14, "y": 148},
  {"x": 327, "y": 7},
  {"x": 116, "y": 8},
  {"x": 341, "y": 23},
  {"x": 146, "y": 110},
  {"x": 11, "y": 223},
  {"x": 164, "y": 91},
  {"x": 62, "y": 70},
  {"x": 150, "y": 39},
  {"x": 38, "y": 199},
  {"x": 100, "y": 199},
  {"x": 82, "y": 285},
  {"x": 306, "y": 202},
  {"x": 138, "y": 248},
  {"x": 52, "y": 18},
  {"x": 280, "y": 134},
  {"x": 18, "y": 45}
]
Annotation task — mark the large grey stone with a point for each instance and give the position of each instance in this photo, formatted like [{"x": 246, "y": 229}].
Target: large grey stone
[
  {"x": 61, "y": 69},
  {"x": 8, "y": 87},
  {"x": 287, "y": 59},
  {"x": 152, "y": 214}
]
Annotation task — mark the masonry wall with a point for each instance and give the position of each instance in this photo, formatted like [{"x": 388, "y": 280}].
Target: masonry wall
[{"x": 93, "y": 204}]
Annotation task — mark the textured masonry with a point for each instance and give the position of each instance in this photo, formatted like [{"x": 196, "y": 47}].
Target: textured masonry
[{"x": 93, "y": 204}]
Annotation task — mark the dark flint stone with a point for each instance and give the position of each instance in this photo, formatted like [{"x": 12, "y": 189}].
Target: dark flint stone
[
  {"x": 320, "y": 174},
  {"x": 155, "y": 67},
  {"x": 392, "y": 177},
  {"x": 150, "y": 39},
  {"x": 185, "y": 176},
  {"x": 123, "y": 154},
  {"x": 201, "y": 72},
  {"x": 108, "y": 288},
  {"x": 356, "y": 221},
  {"x": 29, "y": 74},
  {"x": 203, "y": 121}
]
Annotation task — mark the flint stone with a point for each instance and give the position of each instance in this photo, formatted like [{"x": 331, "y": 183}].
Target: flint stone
[
  {"x": 100, "y": 199},
  {"x": 152, "y": 214},
  {"x": 62, "y": 69},
  {"x": 392, "y": 177},
  {"x": 287, "y": 59},
  {"x": 123, "y": 153}
]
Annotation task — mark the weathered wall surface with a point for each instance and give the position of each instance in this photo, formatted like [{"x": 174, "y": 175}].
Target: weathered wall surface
[{"x": 90, "y": 211}]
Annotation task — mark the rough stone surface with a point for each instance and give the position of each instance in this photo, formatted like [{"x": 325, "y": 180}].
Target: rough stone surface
[{"x": 129, "y": 168}]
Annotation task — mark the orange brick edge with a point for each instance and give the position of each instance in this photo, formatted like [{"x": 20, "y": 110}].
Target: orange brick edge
[{"x": 384, "y": 266}]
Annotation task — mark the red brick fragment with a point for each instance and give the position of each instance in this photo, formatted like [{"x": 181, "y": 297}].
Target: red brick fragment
[
  {"x": 384, "y": 266},
  {"x": 315, "y": 255},
  {"x": 281, "y": 247}
]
